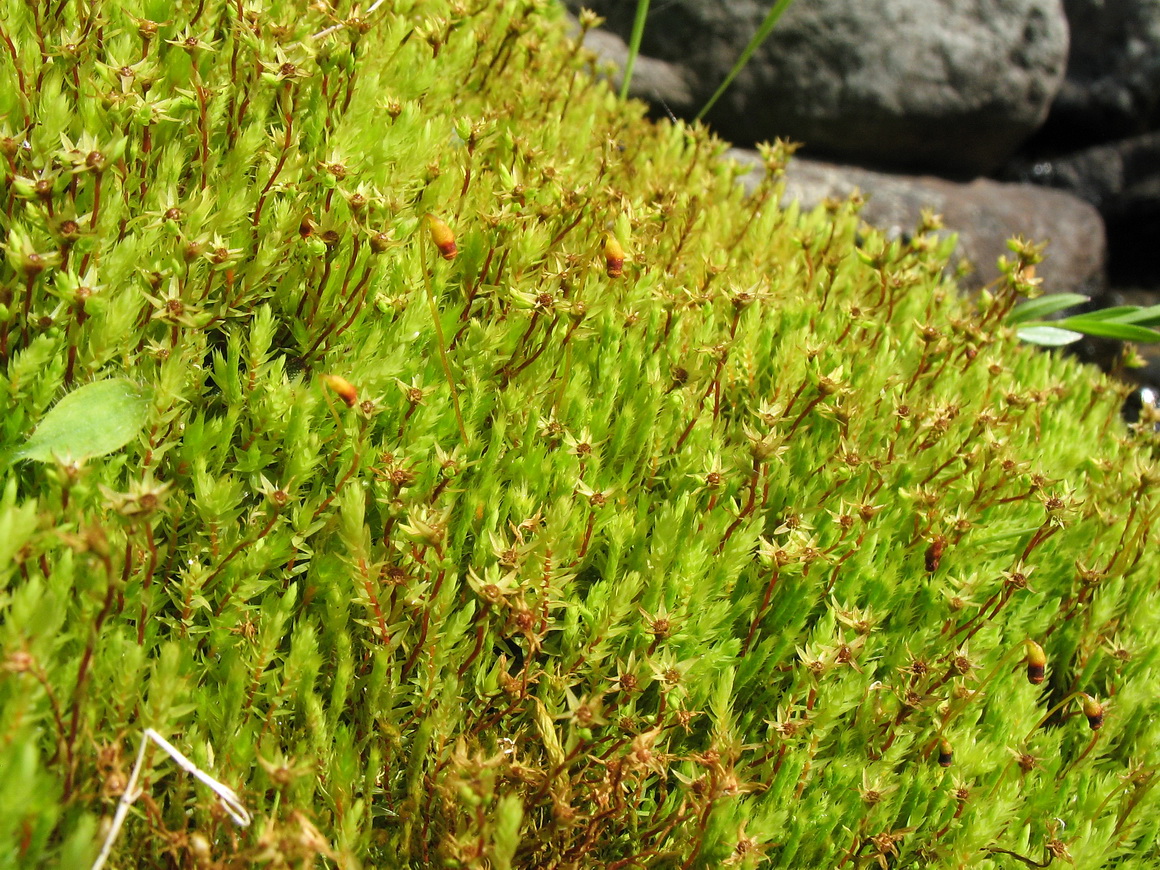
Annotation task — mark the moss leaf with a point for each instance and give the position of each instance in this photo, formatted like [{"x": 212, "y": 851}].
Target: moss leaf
[
  {"x": 92, "y": 420},
  {"x": 1048, "y": 336}
]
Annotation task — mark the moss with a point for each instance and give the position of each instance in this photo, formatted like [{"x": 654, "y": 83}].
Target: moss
[{"x": 605, "y": 517}]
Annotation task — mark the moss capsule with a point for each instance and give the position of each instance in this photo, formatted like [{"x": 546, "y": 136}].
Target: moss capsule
[
  {"x": 443, "y": 237},
  {"x": 613, "y": 257},
  {"x": 946, "y": 754},
  {"x": 1094, "y": 711},
  {"x": 380, "y": 242},
  {"x": 343, "y": 388},
  {"x": 1036, "y": 661},
  {"x": 934, "y": 553}
]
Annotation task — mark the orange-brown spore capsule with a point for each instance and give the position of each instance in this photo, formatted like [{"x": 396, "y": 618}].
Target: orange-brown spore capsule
[
  {"x": 934, "y": 553},
  {"x": 443, "y": 237},
  {"x": 946, "y": 754},
  {"x": 1036, "y": 663},
  {"x": 613, "y": 257},
  {"x": 1094, "y": 711},
  {"x": 343, "y": 388}
]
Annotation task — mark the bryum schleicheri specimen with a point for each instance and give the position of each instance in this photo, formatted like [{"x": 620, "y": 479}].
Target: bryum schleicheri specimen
[{"x": 462, "y": 471}]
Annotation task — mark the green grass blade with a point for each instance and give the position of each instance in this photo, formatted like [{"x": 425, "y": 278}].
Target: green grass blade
[
  {"x": 634, "y": 45},
  {"x": 1149, "y": 316},
  {"x": 1120, "y": 313},
  {"x": 1109, "y": 329},
  {"x": 759, "y": 37},
  {"x": 1037, "y": 331}
]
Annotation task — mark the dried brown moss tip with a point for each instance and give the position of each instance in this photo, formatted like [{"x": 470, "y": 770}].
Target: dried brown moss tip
[
  {"x": 1036, "y": 661},
  {"x": 442, "y": 236}
]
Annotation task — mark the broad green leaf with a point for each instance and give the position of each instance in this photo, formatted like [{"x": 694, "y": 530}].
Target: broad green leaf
[
  {"x": 92, "y": 420},
  {"x": 1044, "y": 306},
  {"x": 1048, "y": 336}
]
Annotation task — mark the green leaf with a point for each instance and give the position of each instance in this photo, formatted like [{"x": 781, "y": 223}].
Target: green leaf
[
  {"x": 1121, "y": 313},
  {"x": 1123, "y": 322},
  {"x": 1109, "y": 328},
  {"x": 1045, "y": 306},
  {"x": 1149, "y": 316},
  {"x": 1048, "y": 336},
  {"x": 92, "y": 420}
]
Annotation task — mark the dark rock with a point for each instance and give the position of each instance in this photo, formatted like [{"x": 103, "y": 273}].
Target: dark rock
[
  {"x": 984, "y": 213},
  {"x": 939, "y": 85},
  {"x": 1122, "y": 179},
  {"x": 1112, "y": 88}
]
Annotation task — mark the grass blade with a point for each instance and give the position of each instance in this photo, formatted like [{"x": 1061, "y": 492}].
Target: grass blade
[
  {"x": 1149, "y": 316},
  {"x": 1087, "y": 325},
  {"x": 759, "y": 37},
  {"x": 1120, "y": 313},
  {"x": 634, "y": 45},
  {"x": 1109, "y": 329}
]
